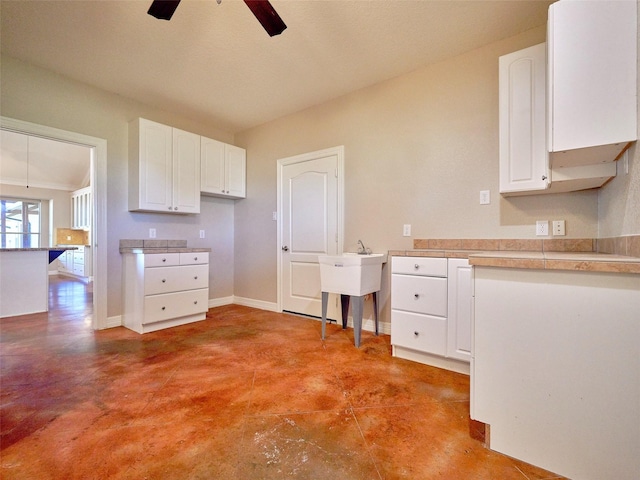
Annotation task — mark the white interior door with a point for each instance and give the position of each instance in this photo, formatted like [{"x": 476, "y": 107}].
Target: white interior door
[{"x": 310, "y": 207}]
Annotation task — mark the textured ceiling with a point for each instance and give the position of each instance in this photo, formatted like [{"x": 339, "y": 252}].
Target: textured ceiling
[{"x": 215, "y": 63}]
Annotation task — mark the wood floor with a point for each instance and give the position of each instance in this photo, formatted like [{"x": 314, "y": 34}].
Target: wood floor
[{"x": 245, "y": 394}]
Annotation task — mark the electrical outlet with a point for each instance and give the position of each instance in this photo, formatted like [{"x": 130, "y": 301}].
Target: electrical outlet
[
  {"x": 152, "y": 233},
  {"x": 542, "y": 227},
  {"x": 558, "y": 227},
  {"x": 406, "y": 230},
  {"x": 485, "y": 197},
  {"x": 274, "y": 216},
  {"x": 201, "y": 233}
]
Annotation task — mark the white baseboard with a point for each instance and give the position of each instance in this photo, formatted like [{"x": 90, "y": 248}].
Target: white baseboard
[
  {"x": 219, "y": 302},
  {"x": 261, "y": 304},
  {"x": 115, "y": 321}
]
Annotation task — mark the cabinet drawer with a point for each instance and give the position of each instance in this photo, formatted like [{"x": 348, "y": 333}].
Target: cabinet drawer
[
  {"x": 175, "y": 305},
  {"x": 419, "y": 332},
  {"x": 419, "y": 294},
  {"x": 194, "y": 258},
  {"x": 175, "y": 279},
  {"x": 427, "y": 266},
  {"x": 161, "y": 259}
]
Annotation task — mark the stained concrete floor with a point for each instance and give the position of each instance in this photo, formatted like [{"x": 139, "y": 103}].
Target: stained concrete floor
[{"x": 245, "y": 394}]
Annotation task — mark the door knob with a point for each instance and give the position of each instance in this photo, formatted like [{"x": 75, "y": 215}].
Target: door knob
[{"x": 285, "y": 249}]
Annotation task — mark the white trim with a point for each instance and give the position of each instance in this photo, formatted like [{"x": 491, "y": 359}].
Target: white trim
[
  {"x": 262, "y": 305},
  {"x": 99, "y": 183},
  {"x": 115, "y": 321},
  {"x": 219, "y": 302},
  {"x": 451, "y": 364},
  {"x": 339, "y": 153}
]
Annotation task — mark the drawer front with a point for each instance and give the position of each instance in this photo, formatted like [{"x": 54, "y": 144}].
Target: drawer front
[
  {"x": 175, "y": 305},
  {"x": 78, "y": 269},
  {"x": 419, "y": 294},
  {"x": 175, "y": 279},
  {"x": 161, "y": 259},
  {"x": 426, "y": 266},
  {"x": 424, "y": 333},
  {"x": 194, "y": 258}
]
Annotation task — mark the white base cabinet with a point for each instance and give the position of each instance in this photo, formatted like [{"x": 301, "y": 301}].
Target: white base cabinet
[
  {"x": 163, "y": 290},
  {"x": 556, "y": 369},
  {"x": 76, "y": 262},
  {"x": 431, "y": 311}
]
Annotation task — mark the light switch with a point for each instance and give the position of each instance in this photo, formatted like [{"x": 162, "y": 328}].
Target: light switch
[{"x": 485, "y": 197}]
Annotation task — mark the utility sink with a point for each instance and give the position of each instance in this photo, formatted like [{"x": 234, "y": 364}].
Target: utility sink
[{"x": 351, "y": 273}]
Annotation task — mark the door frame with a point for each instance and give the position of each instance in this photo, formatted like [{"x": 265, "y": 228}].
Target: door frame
[
  {"x": 98, "y": 148},
  {"x": 305, "y": 157}
]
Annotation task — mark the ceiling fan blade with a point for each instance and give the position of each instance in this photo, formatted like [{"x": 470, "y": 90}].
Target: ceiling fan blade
[
  {"x": 267, "y": 16},
  {"x": 163, "y": 9}
]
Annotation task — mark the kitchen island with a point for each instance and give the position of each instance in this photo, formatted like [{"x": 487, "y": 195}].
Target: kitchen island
[
  {"x": 24, "y": 279},
  {"x": 556, "y": 360}
]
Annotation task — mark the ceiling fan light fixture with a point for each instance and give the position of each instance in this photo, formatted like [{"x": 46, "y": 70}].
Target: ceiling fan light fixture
[
  {"x": 267, "y": 16},
  {"x": 163, "y": 9}
]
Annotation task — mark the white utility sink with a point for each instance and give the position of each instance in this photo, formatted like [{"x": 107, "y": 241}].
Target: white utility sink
[{"x": 351, "y": 273}]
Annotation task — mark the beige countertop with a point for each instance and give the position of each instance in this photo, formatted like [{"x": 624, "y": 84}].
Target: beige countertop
[
  {"x": 551, "y": 254},
  {"x": 163, "y": 250},
  {"x": 36, "y": 249}
]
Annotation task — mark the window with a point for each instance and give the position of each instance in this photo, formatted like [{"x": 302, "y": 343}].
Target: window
[{"x": 19, "y": 223}]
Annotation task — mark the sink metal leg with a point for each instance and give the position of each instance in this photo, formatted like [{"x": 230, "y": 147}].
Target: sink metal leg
[
  {"x": 375, "y": 309},
  {"x": 325, "y": 299},
  {"x": 358, "y": 303},
  {"x": 344, "y": 302}
]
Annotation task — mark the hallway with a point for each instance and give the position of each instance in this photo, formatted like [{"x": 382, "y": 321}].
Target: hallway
[{"x": 246, "y": 394}]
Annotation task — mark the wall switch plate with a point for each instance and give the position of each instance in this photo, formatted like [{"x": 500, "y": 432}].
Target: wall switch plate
[
  {"x": 406, "y": 230},
  {"x": 558, "y": 227},
  {"x": 274, "y": 216},
  {"x": 542, "y": 227},
  {"x": 152, "y": 233},
  {"x": 485, "y": 197},
  {"x": 201, "y": 233}
]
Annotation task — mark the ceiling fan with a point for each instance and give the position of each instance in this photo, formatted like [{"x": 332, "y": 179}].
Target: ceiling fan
[{"x": 262, "y": 9}]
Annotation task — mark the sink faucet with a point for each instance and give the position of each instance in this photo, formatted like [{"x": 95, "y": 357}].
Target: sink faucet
[{"x": 362, "y": 250}]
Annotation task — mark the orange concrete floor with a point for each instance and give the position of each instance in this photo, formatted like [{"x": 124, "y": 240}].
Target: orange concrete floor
[{"x": 245, "y": 394}]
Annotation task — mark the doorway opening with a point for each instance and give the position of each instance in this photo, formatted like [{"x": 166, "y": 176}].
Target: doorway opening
[{"x": 97, "y": 173}]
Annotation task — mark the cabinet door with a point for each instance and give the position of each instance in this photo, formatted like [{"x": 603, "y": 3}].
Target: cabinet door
[
  {"x": 522, "y": 108},
  {"x": 460, "y": 309},
  {"x": 592, "y": 77},
  {"x": 153, "y": 171},
  {"x": 212, "y": 164},
  {"x": 236, "y": 161},
  {"x": 186, "y": 172}
]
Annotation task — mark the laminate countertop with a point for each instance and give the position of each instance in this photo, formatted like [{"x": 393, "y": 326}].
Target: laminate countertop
[
  {"x": 36, "y": 249},
  {"x": 567, "y": 254}
]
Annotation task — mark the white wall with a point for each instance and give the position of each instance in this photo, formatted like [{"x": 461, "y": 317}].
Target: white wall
[
  {"x": 40, "y": 96},
  {"x": 418, "y": 150}
]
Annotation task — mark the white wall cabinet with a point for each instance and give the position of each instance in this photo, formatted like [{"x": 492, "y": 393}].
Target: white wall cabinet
[
  {"x": 568, "y": 107},
  {"x": 431, "y": 311},
  {"x": 81, "y": 208},
  {"x": 592, "y": 75},
  {"x": 524, "y": 159},
  {"x": 163, "y": 290},
  {"x": 164, "y": 168},
  {"x": 223, "y": 169}
]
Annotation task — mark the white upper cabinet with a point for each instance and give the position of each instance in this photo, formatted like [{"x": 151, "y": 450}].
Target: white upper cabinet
[
  {"x": 592, "y": 75},
  {"x": 522, "y": 106},
  {"x": 164, "y": 168},
  {"x": 223, "y": 169}
]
